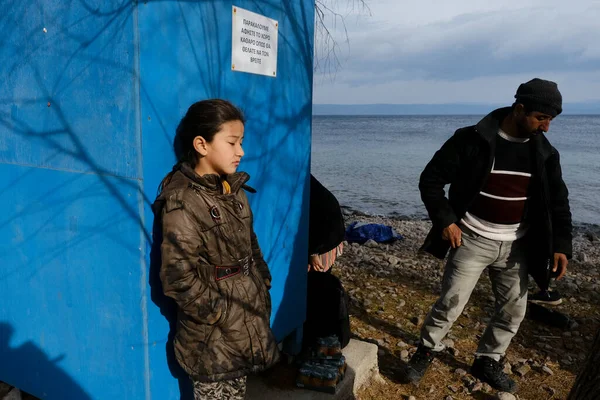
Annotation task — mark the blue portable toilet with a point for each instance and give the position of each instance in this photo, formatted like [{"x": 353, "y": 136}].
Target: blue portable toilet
[{"x": 90, "y": 96}]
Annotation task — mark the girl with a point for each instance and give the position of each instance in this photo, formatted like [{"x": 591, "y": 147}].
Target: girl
[{"x": 212, "y": 265}]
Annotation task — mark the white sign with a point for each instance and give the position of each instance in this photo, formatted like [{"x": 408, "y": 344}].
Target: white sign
[{"x": 254, "y": 43}]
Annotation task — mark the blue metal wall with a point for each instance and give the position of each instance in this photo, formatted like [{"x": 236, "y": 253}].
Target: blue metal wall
[{"x": 90, "y": 95}]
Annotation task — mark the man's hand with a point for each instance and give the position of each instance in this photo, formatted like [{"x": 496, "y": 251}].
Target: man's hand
[
  {"x": 560, "y": 265},
  {"x": 453, "y": 234}
]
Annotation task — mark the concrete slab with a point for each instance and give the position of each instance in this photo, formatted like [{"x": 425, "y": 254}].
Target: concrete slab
[
  {"x": 280, "y": 383},
  {"x": 14, "y": 394}
]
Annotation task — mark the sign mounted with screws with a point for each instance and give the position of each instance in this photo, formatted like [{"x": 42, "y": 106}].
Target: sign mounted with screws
[{"x": 254, "y": 43}]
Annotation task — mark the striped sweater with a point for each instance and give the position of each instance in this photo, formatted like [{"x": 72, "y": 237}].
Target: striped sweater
[{"x": 498, "y": 210}]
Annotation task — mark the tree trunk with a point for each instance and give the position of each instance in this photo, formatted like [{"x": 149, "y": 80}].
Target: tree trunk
[{"x": 587, "y": 385}]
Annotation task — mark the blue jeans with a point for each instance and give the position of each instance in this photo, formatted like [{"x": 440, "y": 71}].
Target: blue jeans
[{"x": 507, "y": 269}]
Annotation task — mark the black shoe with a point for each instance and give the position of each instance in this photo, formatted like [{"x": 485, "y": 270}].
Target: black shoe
[
  {"x": 546, "y": 297},
  {"x": 491, "y": 372},
  {"x": 419, "y": 363}
]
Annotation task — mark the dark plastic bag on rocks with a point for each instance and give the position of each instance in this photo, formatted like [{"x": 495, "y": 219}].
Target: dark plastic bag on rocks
[{"x": 359, "y": 232}]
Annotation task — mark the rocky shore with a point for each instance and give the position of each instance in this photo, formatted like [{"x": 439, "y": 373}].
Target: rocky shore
[{"x": 392, "y": 287}]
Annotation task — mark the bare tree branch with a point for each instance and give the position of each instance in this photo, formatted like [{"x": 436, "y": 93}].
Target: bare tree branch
[{"x": 327, "y": 20}]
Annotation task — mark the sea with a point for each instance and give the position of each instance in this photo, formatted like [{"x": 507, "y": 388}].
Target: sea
[{"x": 372, "y": 163}]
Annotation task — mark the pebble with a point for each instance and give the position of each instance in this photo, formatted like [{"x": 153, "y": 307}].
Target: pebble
[
  {"x": 550, "y": 390},
  {"x": 505, "y": 396},
  {"x": 523, "y": 370},
  {"x": 404, "y": 354},
  {"x": 460, "y": 372},
  {"x": 453, "y": 351},
  {"x": 454, "y": 388},
  {"x": 547, "y": 370},
  {"x": 371, "y": 243}
]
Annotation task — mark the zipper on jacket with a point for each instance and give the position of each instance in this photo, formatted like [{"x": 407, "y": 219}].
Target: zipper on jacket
[{"x": 546, "y": 209}]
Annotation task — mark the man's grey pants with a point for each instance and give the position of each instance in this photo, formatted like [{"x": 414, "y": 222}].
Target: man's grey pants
[{"x": 508, "y": 273}]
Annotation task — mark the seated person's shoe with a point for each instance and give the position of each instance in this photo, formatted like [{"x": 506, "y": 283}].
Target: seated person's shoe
[{"x": 549, "y": 297}]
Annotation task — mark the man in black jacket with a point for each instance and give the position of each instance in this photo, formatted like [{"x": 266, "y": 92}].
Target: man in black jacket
[{"x": 507, "y": 211}]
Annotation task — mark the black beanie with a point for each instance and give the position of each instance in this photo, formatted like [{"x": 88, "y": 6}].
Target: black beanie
[{"x": 541, "y": 96}]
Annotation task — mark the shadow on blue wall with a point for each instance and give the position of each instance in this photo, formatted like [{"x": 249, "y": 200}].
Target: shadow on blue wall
[
  {"x": 30, "y": 361},
  {"x": 168, "y": 309}
]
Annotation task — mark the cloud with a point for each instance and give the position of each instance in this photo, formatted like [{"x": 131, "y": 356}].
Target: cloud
[{"x": 436, "y": 43}]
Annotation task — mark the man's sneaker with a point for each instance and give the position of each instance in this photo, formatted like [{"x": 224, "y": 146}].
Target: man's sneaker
[
  {"x": 549, "y": 297},
  {"x": 490, "y": 371},
  {"x": 419, "y": 363}
]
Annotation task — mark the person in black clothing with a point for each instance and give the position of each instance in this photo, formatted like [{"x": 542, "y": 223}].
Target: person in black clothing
[
  {"x": 507, "y": 211},
  {"x": 326, "y": 229},
  {"x": 327, "y": 301}
]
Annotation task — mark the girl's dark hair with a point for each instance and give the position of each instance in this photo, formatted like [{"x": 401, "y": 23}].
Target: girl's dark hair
[{"x": 205, "y": 119}]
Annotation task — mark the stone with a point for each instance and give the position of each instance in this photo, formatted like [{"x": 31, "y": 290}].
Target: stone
[
  {"x": 401, "y": 344},
  {"x": 453, "y": 351},
  {"x": 569, "y": 346},
  {"x": 14, "y": 394},
  {"x": 547, "y": 370},
  {"x": 523, "y": 370},
  {"x": 477, "y": 387},
  {"x": 404, "y": 354},
  {"x": 505, "y": 396},
  {"x": 401, "y": 303},
  {"x": 549, "y": 389},
  {"x": 449, "y": 343},
  {"x": 453, "y": 388},
  {"x": 468, "y": 381},
  {"x": 371, "y": 243},
  {"x": 412, "y": 398},
  {"x": 592, "y": 237},
  {"x": 5, "y": 388},
  {"x": 507, "y": 369},
  {"x": 460, "y": 372}
]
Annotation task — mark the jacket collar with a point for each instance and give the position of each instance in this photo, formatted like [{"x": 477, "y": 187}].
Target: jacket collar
[
  {"x": 212, "y": 182},
  {"x": 489, "y": 125}
]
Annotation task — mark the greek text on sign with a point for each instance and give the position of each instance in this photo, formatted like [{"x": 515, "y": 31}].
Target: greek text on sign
[{"x": 254, "y": 43}]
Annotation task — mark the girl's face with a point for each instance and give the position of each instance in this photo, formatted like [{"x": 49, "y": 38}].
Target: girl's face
[{"x": 223, "y": 154}]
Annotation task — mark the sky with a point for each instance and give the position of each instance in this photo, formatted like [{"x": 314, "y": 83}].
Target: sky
[{"x": 459, "y": 51}]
